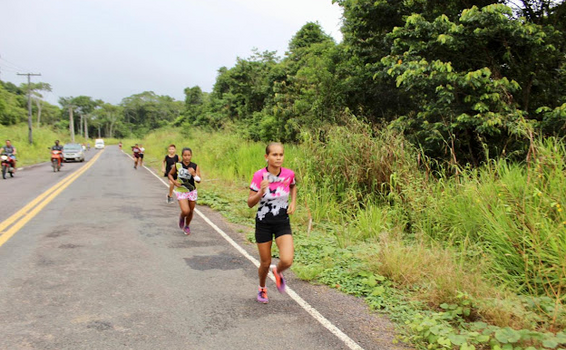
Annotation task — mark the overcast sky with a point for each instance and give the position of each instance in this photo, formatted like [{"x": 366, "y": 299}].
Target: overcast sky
[{"x": 111, "y": 49}]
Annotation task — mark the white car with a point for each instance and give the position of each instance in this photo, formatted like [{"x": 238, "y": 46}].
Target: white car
[{"x": 99, "y": 144}]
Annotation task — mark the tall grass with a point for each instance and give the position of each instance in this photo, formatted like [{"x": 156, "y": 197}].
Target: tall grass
[
  {"x": 511, "y": 213},
  {"x": 489, "y": 233}
]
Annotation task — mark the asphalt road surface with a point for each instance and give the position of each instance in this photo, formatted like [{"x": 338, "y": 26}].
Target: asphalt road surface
[{"x": 91, "y": 258}]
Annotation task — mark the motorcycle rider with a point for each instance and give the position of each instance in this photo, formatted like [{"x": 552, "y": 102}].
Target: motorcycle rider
[
  {"x": 11, "y": 151},
  {"x": 57, "y": 147}
]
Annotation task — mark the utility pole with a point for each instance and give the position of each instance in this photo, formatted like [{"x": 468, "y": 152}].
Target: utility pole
[{"x": 29, "y": 103}]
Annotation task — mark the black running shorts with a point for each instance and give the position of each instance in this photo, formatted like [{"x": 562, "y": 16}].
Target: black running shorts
[{"x": 264, "y": 232}]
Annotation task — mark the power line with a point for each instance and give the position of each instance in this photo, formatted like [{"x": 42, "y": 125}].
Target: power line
[
  {"x": 8, "y": 69},
  {"x": 10, "y": 66},
  {"x": 14, "y": 65}
]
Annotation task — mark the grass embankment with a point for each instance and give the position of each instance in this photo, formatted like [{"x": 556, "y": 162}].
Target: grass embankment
[
  {"x": 43, "y": 138},
  {"x": 477, "y": 260}
]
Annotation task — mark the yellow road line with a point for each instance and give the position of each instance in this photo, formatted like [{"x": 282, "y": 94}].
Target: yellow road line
[{"x": 32, "y": 208}]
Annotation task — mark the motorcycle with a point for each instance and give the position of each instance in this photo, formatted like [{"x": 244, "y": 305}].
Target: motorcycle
[
  {"x": 56, "y": 159},
  {"x": 7, "y": 165}
]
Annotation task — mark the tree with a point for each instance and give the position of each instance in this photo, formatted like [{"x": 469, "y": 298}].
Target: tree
[
  {"x": 537, "y": 11},
  {"x": 194, "y": 102},
  {"x": 105, "y": 120},
  {"x": 148, "y": 111},
  {"x": 471, "y": 80},
  {"x": 245, "y": 88},
  {"x": 82, "y": 106},
  {"x": 369, "y": 92},
  {"x": 12, "y": 110},
  {"x": 36, "y": 96}
]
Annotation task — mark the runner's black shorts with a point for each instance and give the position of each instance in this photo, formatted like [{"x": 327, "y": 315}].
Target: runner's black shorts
[
  {"x": 141, "y": 155},
  {"x": 264, "y": 232}
]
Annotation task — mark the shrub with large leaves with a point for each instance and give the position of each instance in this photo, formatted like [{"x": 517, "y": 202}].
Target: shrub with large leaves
[{"x": 469, "y": 80}]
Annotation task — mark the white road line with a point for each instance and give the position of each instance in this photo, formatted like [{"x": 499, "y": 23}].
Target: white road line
[{"x": 305, "y": 305}]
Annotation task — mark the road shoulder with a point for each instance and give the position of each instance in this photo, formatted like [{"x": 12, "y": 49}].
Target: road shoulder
[{"x": 352, "y": 315}]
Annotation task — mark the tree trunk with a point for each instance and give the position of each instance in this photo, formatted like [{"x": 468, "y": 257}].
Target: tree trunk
[
  {"x": 86, "y": 128},
  {"x": 38, "y": 103}
]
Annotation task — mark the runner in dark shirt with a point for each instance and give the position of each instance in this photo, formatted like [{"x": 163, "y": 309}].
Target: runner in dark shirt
[
  {"x": 188, "y": 174},
  {"x": 168, "y": 162}
]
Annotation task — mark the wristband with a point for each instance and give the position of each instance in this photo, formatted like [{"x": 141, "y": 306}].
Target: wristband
[{"x": 197, "y": 178}]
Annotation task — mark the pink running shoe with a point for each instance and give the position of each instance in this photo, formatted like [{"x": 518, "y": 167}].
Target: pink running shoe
[
  {"x": 187, "y": 230},
  {"x": 262, "y": 296},
  {"x": 279, "y": 280}
]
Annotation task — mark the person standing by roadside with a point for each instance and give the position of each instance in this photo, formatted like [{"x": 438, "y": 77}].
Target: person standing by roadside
[
  {"x": 136, "y": 155},
  {"x": 274, "y": 188},
  {"x": 187, "y": 174},
  {"x": 168, "y": 162},
  {"x": 11, "y": 151}
]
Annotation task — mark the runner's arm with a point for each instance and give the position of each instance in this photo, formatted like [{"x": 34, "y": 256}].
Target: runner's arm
[
  {"x": 195, "y": 173},
  {"x": 172, "y": 173},
  {"x": 198, "y": 178},
  {"x": 254, "y": 196},
  {"x": 293, "y": 195}
]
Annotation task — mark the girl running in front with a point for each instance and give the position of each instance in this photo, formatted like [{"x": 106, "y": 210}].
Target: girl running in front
[
  {"x": 273, "y": 187},
  {"x": 187, "y": 173},
  {"x": 168, "y": 162}
]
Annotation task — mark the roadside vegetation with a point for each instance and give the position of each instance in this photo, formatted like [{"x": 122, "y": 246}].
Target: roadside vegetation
[
  {"x": 429, "y": 145},
  {"x": 475, "y": 260}
]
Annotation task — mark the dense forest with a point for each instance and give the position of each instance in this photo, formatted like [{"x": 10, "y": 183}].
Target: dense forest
[{"x": 463, "y": 82}]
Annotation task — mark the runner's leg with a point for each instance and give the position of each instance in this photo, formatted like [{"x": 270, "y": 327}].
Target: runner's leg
[
  {"x": 286, "y": 252},
  {"x": 189, "y": 218},
  {"x": 185, "y": 209},
  {"x": 171, "y": 186},
  {"x": 264, "y": 261}
]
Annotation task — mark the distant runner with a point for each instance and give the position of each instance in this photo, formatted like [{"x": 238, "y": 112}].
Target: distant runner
[
  {"x": 168, "y": 162},
  {"x": 136, "y": 155},
  {"x": 142, "y": 151},
  {"x": 274, "y": 188},
  {"x": 187, "y": 174}
]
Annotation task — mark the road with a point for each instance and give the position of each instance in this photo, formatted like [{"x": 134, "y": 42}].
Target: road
[{"x": 97, "y": 262}]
